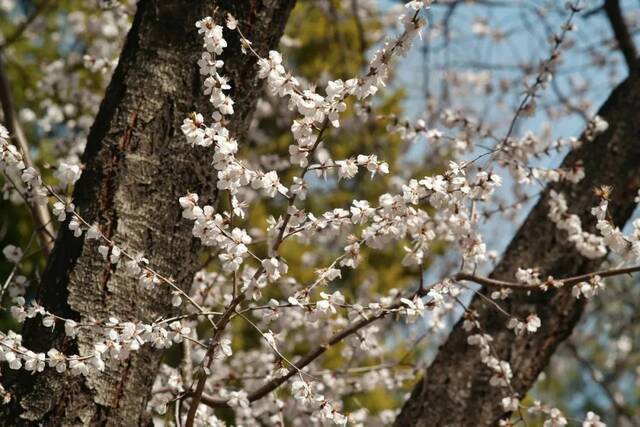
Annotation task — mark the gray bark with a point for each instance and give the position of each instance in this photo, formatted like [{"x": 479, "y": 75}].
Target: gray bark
[
  {"x": 455, "y": 390},
  {"x": 137, "y": 165}
]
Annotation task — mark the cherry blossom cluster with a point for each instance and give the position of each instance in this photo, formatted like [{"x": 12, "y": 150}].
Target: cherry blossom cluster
[
  {"x": 26, "y": 180},
  {"x": 117, "y": 345},
  {"x": 119, "y": 340},
  {"x": 252, "y": 284},
  {"x": 589, "y": 245},
  {"x": 34, "y": 191},
  {"x": 396, "y": 216}
]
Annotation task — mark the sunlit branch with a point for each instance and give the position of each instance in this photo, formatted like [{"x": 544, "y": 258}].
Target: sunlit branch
[{"x": 568, "y": 281}]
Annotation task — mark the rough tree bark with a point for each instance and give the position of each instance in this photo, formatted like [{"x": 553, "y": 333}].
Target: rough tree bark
[
  {"x": 455, "y": 390},
  {"x": 137, "y": 165}
]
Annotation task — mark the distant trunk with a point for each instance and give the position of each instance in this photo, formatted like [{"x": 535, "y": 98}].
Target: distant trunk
[
  {"x": 137, "y": 165},
  {"x": 456, "y": 390}
]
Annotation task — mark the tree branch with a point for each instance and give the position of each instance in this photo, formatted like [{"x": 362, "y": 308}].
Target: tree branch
[
  {"x": 153, "y": 88},
  {"x": 569, "y": 281},
  {"x": 41, "y": 215},
  {"x": 305, "y": 360},
  {"x": 335, "y": 339},
  {"x": 456, "y": 391},
  {"x": 621, "y": 32}
]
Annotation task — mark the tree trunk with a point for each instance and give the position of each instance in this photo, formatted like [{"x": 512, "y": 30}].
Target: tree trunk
[
  {"x": 137, "y": 165},
  {"x": 455, "y": 390}
]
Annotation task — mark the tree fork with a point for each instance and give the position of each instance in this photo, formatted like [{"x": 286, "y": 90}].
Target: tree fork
[
  {"x": 455, "y": 390},
  {"x": 137, "y": 165}
]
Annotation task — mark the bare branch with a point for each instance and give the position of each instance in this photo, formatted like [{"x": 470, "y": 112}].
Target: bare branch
[
  {"x": 40, "y": 213},
  {"x": 569, "y": 281},
  {"x": 621, "y": 32}
]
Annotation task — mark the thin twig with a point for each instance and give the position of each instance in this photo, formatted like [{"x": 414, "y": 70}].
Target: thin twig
[
  {"x": 197, "y": 396},
  {"x": 305, "y": 360},
  {"x": 568, "y": 281}
]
